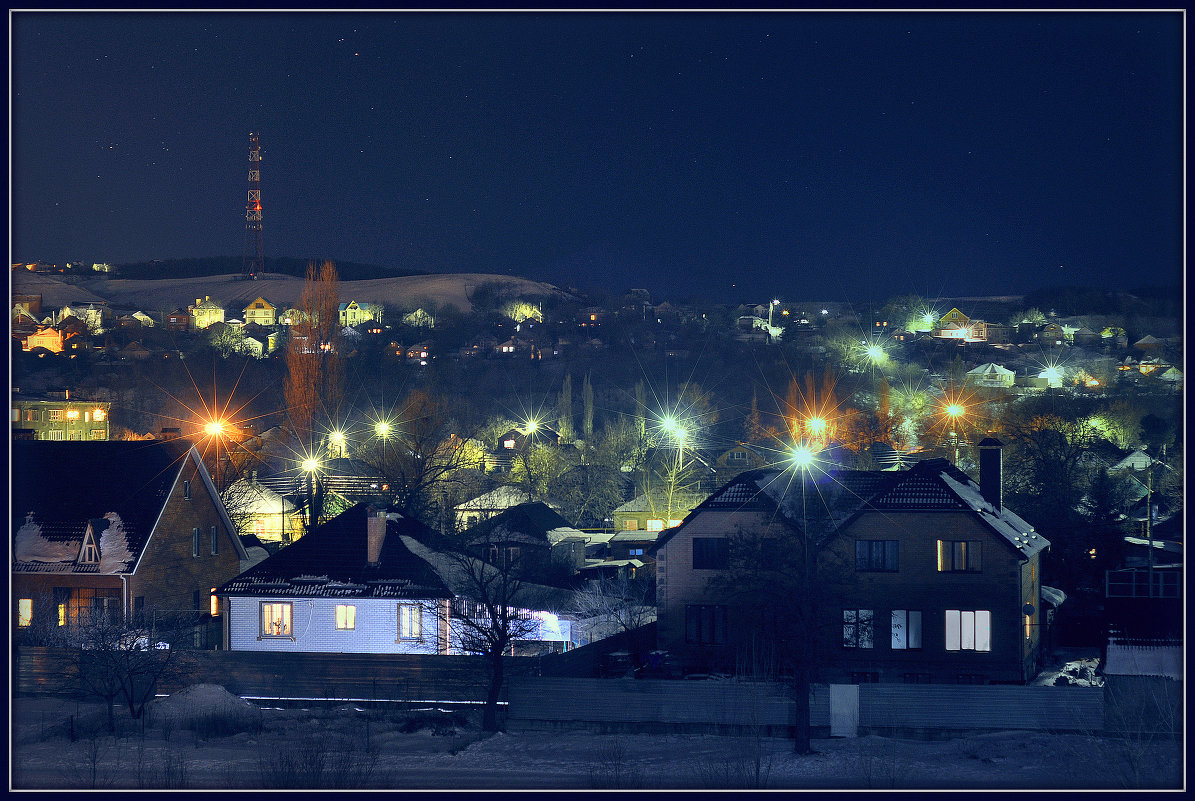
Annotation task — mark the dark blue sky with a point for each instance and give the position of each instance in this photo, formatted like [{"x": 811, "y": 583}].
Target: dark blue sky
[{"x": 837, "y": 156}]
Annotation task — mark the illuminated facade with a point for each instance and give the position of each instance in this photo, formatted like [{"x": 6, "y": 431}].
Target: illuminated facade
[
  {"x": 47, "y": 418},
  {"x": 48, "y": 338},
  {"x": 205, "y": 312},
  {"x": 262, "y": 312}
]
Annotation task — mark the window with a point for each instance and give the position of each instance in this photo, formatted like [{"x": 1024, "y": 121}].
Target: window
[
  {"x": 195, "y": 541},
  {"x": 57, "y": 436},
  {"x": 214, "y": 604},
  {"x": 346, "y": 617},
  {"x": 410, "y": 622},
  {"x": 72, "y": 414},
  {"x": 674, "y": 523},
  {"x": 906, "y": 629},
  {"x": 31, "y": 416},
  {"x": 711, "y": 553},
  {"x": 24, "y": 612},
  {"x": 186, "y": 490},
  {"x": 276, "y": 620},
  {"x": 16, "y": 415},
  {"x": 956, "y": 556},
  {"x": 655, "y": 525},
  {"x": 1028, "y": 627},
  {"x": 705, "y": 624},
  {"x": 55, "y": 414},
  {"x": 631, "y": 525},
  {"x": 876, "y": 555},
  {"x": 738, "y": 456},
  {"x": 858, "y": 628},
  {"x": 968, "y": 631},
  {"x": 259, "y": 527},
  {"x": 89, "y": 554},
  {"x": 97, "y": 433},
  {"x": 504, "y": 556},
  {"x": 98, "y": 415},
  {"x": 635, "y": 551},
  {"x": 215, "y": 540}
]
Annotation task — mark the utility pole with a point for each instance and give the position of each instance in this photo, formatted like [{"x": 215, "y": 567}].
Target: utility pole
[{"x": 253, "y": 262}]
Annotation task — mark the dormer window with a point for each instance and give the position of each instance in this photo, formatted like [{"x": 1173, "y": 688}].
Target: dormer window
[{"x": 89, "y": 554}]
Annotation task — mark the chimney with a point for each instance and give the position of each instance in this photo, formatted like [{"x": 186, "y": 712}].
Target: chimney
[
  {"x": 197, "y": 301},
  {"x": 991, "y": 470},
  {"x": 375, "y": 532}
]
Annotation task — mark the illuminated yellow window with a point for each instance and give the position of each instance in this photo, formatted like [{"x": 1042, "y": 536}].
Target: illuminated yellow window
[
  {"x": 655, "y": 525},
  {"x": 214, "y": 604},
  {"x": 1028, "y": 626},
  {"x": 72, "y": 414},
  {"x": 61, "y": 614},
  {"x": 346, "y": 617},
  {"x": 24, "y": 611}
]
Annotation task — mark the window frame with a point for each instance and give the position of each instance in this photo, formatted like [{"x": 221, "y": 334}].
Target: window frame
[
  {"x": 858, "y": 629},
  {"x": 24, "y": 613},
  {"x": 344, "y": 617},
  {"x": 195, "y": 542},
  {"x": 412, "y": 621},
  {"x": 968, "y": 630},
  {"x": 713, "y": 553},
  {"x": 215, "y": 541},
  {"x": 705, "y": 624},
  {"x": 286, "y": 621},
  {"x": 867, "y": 551},
  {"x": 909, "y": 631},
  {"x": 950, "y": 551}
]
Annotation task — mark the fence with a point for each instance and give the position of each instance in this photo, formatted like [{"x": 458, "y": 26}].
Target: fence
[
  {"x": 723, "y": 706},
  {"x": 366, "y": 677}
]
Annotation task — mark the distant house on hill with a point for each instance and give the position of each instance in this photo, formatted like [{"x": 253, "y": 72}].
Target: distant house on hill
[
  {"x": 262, "y": 312},
  {"x": 991, "y": 375},
  {"x": 354, "y": 313},
  {"x": 205, "y": 312}
]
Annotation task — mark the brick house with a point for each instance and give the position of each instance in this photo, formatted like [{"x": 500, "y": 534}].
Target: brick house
[
  {"x": 122, "y": 527},
  {"x": 178, "y": 320},
  {"x": 925, "y": 576}
]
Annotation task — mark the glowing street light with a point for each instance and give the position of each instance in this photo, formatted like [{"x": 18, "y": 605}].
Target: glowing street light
[
  {"x": 771, "y": 306},
  {"x": 216, "y": 430},
  {"x": 816, "y": 426},
  {"x": 310, "y": 465},
  {"x": 382, "y": 429},
  {"x": 532, "y": 426},
  {"x": 955, "y": 411},
  {"x": 337, "y": 440},
  {"x": 801, "y": 456}
]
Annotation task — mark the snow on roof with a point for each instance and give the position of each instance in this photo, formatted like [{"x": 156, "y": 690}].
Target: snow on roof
[
  {"x": 1165, "y": 661},
  {"x": 991, "y": 368},
  {"x": 1008, "y": 524},
  {"x": 31, "y": 546},
  {"x": 115, "y": 556},
  {"x": 1053, "y": 596}
]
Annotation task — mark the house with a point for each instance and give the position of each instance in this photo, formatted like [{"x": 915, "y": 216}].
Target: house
[
  {"x": 998, "y": 333},
  {"x": 178, "y": 320},
  {"x": 419, "y": 353},
  {"x": 419, "y": 319},
  {"x": 260, "y": 511},
  {"x": 354, "y": 313},
  {"x": 990, "y": 375},
  {"x": 48, "y": 338},
  {"x": 656, "y": 509},
  {"x": 1051, "y": 334},
  {"x": 262, "y": 312},
  {"x": 485, "y": 506},
  {"x": 924, "y": 575},
  {"x": 350, "y": 586},
  {"x": 364, "y": 582},
  {"x": 532, "y": 536},
  {"x": 205, "y": 312},
  {"x": 737, "y": 459},
  {"x": 94, "y": 317},
  {"x": 118, "y": 527},
  {"x": 1149, "y": 347},
  {"x": 44, "y": 417},
  {"x": 134, "y": 351}
]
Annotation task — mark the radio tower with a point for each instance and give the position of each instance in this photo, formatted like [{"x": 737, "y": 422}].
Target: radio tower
[{"x": 254, "y": 261}]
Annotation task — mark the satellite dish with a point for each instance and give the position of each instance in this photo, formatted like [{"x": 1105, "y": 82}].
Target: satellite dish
[{"x": 1028, "y": 609}]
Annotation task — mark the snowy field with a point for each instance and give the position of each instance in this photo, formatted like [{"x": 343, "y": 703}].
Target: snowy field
[{"x": 207, "y": 738}]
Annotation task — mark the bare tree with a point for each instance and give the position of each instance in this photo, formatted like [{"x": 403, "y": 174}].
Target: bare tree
[
  {"x": 314, "y": 374},
  {"x": 616, "y": 605}
]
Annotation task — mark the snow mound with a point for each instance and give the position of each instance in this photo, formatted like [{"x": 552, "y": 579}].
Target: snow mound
[
  {"x": 200, "y": 699},
  {"x": 31, "y": 546}
]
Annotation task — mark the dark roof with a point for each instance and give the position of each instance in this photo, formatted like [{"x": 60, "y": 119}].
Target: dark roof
[
  {"x": 66, "y": 484},
  {"x": 331, "y": 562},
  {"x": 527, "y": 522},
  {"x": 933, "y": 485}
]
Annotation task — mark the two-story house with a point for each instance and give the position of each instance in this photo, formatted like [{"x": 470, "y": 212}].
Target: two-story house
[
  {"x": 262, "y": 312},
  {"x": 57, "y": 417},
  {"x": 354, "y": 313},
  {"x": 923, "y": 575},
  {"x": 115, "y": 527},
  {"x": 205, "y": 312}
]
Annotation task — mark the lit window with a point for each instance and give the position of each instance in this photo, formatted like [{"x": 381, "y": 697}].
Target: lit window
[
  {"x": 876, "y": 555},
  {"x": 86, "y": 417},
  {"x": 858, "y": 628},
  {"x": 509, "y": 444},
  {"x": 968, "y": 631},
  {"x": 410, "y": 622},
  {"x": 55, "y": 414},
  {"x": 1028, "y": 627},
  {"x": 635, "y": 551},
  {"x": 98, "y": 433},
  {"x": 61, "y": 614},
  {"x": 259, "y": 527},
  {"x": 72, "y": 414},
  {"x": 346, "y": 617},
  {"x": 16, "y": 415},
  {"x": 906, "y": 629},
  {"x": 631, "y": 525},
  {"x": 955, "y": 556},
  {"x": 214, "y": 604},
  {"x": 276, "y": 620},
  {"x": 57, "y": 436},
  {"x": 674, "y": 523},
  {"x": 655, "y": 525},
  {"x": 24, "y": 612}
]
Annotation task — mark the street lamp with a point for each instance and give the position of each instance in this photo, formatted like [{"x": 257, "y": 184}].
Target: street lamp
[
  {"x": 954, "y": 411},
  {"x": 337, "y": 439},
  {"x": 771, "y": 306},
  {"x": 215, "y": 429}
]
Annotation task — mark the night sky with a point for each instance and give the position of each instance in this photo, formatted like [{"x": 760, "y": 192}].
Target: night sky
[{"x": 724, "y": 156}]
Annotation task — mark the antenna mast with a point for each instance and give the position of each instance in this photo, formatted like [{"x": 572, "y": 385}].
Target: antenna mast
[{"x": 254, "y": 261}]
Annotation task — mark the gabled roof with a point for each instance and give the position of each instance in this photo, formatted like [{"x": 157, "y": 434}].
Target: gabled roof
[
  {"x": 991, "y": 368},
  {"x": 58, "y": 488},
  {"x": 933, "y": 485},
  {"x": 331, "y": 562},
  {"x": 502, "y": 497},
  {"x": 531, "y": 523}
]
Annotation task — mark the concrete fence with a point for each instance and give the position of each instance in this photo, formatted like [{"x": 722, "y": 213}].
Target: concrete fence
[{"x": 923, "y": 710}]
